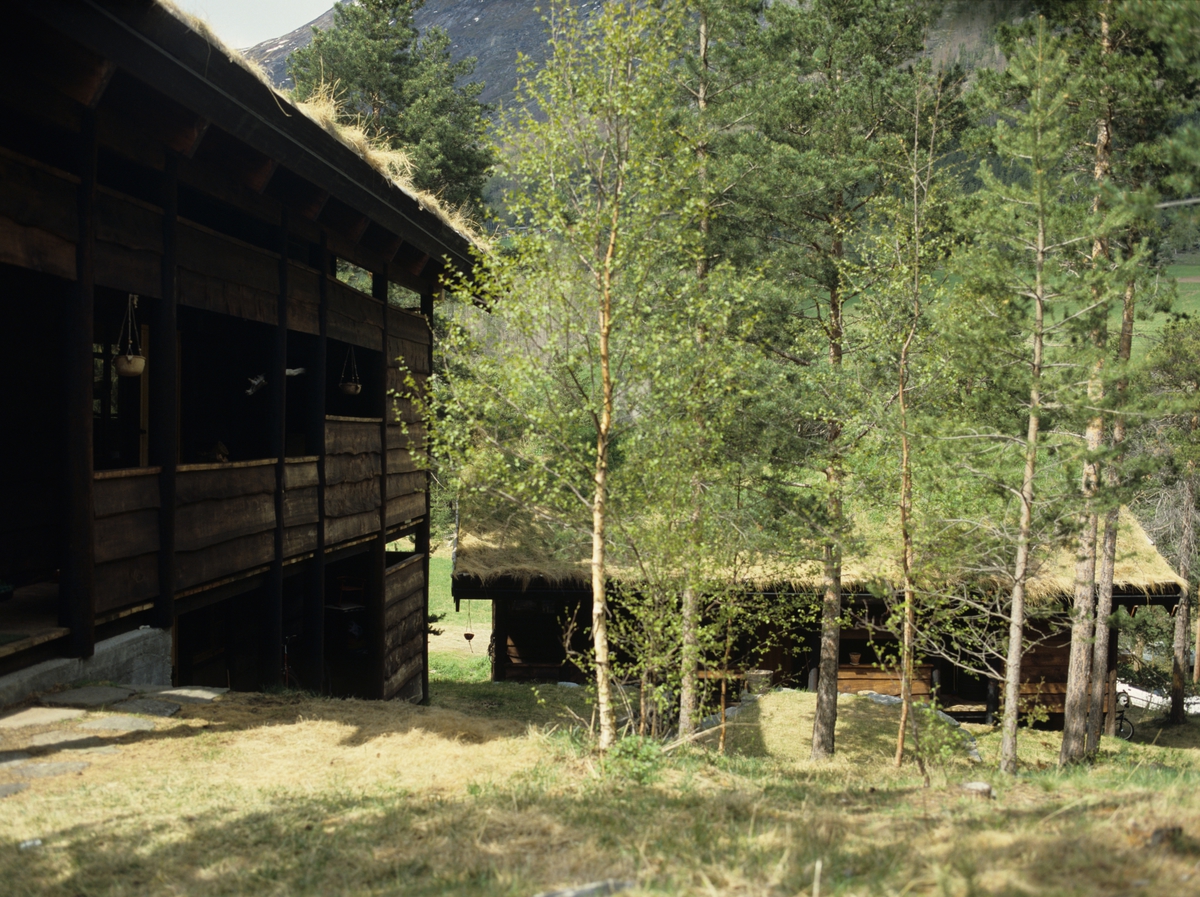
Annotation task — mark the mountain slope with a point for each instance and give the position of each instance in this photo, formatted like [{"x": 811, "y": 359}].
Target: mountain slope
[
  {"x": 496, "y": 31},
  {"x": 493, "y": 31}
]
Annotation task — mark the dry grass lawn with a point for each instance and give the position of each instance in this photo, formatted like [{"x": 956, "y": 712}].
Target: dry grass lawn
[{"x": 491, "y": 791}]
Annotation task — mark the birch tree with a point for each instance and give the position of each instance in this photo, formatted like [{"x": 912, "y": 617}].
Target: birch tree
[{"x": 590, "y": 301}]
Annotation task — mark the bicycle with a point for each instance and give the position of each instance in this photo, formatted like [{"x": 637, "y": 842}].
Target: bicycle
[{"x": 1124, "y": 726}]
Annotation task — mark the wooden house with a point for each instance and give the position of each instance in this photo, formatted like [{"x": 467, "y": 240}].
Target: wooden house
[
  {"x": 242, "y": 492},
  {"x": 536, "y": 594}
]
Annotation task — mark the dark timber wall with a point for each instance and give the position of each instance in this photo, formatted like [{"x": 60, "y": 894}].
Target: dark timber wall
[{"x": 138, "y": 160}]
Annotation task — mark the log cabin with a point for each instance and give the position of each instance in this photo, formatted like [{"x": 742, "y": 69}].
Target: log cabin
[
  {"x": 541, "y": 607},
  {"x": 163, "y": 208}
]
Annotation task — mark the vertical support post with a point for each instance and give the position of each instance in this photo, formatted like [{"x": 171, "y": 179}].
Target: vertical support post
[
  {"x": 314, "y": 605},
  {"x": 272, "y": 656},
  {"x": 77, "y": 606},
  {"x": 499, "y": 640},
  {"x": 993, "y": 702},
  {"x": 379, "y": 289},
  {"x": 423, "y": 534},
  {"x": 164, "y": 397}
]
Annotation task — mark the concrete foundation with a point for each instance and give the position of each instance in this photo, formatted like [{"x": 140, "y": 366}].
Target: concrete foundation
[{"x": 141, "y": 657}]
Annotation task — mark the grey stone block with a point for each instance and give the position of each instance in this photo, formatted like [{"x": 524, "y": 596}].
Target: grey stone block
[
  {"x": 89, "y": 696},
  {"x": 9, "y": 759},
  {"x": 193, "y": 694},
  {"x": 120, "y": 723},
  {"x": 141, "y": 658},
  {"x": 10, "y": 788},
  {"x": 65, "y": 740},
  {"x": 147, "y": 706},
  {"x": 46, "y": 770},
  {"x": 38, "y": 716}
]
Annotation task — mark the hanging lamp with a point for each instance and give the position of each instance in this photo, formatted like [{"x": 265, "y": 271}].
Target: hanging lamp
[
  {"x": 350, "y": 385},
  {"x": 131, "y": 363}
]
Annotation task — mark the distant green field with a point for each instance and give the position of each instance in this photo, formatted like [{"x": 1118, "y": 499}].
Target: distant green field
[{"x": 440, "y": 600}]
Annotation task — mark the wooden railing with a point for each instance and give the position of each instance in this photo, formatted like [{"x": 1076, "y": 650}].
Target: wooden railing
[
  {"x": 126, "y": 537},
  {"x": 352, "y": 454}
]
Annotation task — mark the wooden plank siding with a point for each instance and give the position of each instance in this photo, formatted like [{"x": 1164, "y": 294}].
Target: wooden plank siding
[
  {"x": 404, "y": 628},
  {"x": 853, "y": 678},
  {"x": 126, "y": 537},
  {"x": 352, "y": 474}
]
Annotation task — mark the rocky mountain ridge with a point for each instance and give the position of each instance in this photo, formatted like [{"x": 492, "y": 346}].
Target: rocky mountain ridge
[
  {"x": 496, "y": 31},
  {"x": 493, "y": 31}
]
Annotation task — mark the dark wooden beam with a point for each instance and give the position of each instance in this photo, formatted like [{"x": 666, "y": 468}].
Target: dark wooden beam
[
  {"x": 260, "y": 175},
  {"x": 313, "y": 674},
  {"x": 152, "y": 45},
  {"x": 163, "y": 370},
  {"x": 379, "y": 289},
  {"x": 422, "y": 539},
  {"x": 272, "y": 651},
  {"x": 186, "y": 140},
  {"x": 77, "y": 586}
]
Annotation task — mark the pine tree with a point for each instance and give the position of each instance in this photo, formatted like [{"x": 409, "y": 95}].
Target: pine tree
[
  {"x": 1020, "y": 275},
  {"x": 403, "y": 88},
  {"x": 827, "y": 72}
]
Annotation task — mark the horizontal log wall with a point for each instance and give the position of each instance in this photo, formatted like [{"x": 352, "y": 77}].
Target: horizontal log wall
[
  {"x": 224, "y": 517},
  {"x": 352, "y": 469},
  {"x": 861, "y": 677},
  {"x": 216, "y": 272},
  {"x": 404, "y": 628},
  {"x": 126, "y": 537}
]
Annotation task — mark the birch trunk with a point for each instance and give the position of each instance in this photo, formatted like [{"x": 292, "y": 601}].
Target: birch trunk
[
  {"x": 906, "y": 490},
  {"x": 690, "y": 621},
  {"x": 604, "y": 705}
]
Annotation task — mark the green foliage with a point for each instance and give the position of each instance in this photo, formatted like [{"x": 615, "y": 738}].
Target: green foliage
[
  {"x": 402, "y": 88},
  {"x": 635, "y": 759}
]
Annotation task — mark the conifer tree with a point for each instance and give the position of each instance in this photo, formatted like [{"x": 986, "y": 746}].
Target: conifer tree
[
  {"x": 402, "y": 88},
  {"x": 828, "y": 70},
  {"x": 1020, "y": 278}
]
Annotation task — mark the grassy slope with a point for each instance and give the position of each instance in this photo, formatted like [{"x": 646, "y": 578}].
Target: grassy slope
[
  {"x": 446, "y": 666},
  {"x": 291, "y": 795}
]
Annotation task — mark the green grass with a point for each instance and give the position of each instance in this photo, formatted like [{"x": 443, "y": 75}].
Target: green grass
[
  {"x": 494, "y": 791},
  {"x": 440, "y": 599},
  {"x": 447, "y": 667}
]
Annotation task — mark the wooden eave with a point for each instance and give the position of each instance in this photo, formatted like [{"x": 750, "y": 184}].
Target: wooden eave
[{"x": 143, "y": 39}]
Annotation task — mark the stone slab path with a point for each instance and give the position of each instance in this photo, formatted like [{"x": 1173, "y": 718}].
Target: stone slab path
[
  {"x": 38, "y": 716},
  {"x": 88, "y": 697},
  {"x": 51, "y": 740},
  {"x": 121, "y": 723}
]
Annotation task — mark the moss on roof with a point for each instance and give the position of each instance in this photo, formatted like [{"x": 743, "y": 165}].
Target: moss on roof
[{"x": 494, "y": 545}]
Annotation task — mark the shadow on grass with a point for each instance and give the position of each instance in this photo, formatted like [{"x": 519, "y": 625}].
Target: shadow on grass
[{"x": 552, "y": 827}]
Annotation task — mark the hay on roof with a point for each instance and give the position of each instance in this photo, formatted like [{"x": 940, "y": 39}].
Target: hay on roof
[
  {"x": 393, "y": 164},
  {"x": 512, "y": 545}
]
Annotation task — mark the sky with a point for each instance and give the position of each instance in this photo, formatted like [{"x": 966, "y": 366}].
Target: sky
[{"x": 244, "y": 23}]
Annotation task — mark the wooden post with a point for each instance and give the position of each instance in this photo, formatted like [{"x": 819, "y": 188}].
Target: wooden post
[
  {"x": 423, "y": 534},
  {"x": 993, "y": 702},
  {"x": 314, "y": 605},
  {"x": 77, "y": 587},
  {"x": 272, "y": 634},
  {"x": 379, "y": 289},
  {"x": 164, "y": 397}
]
